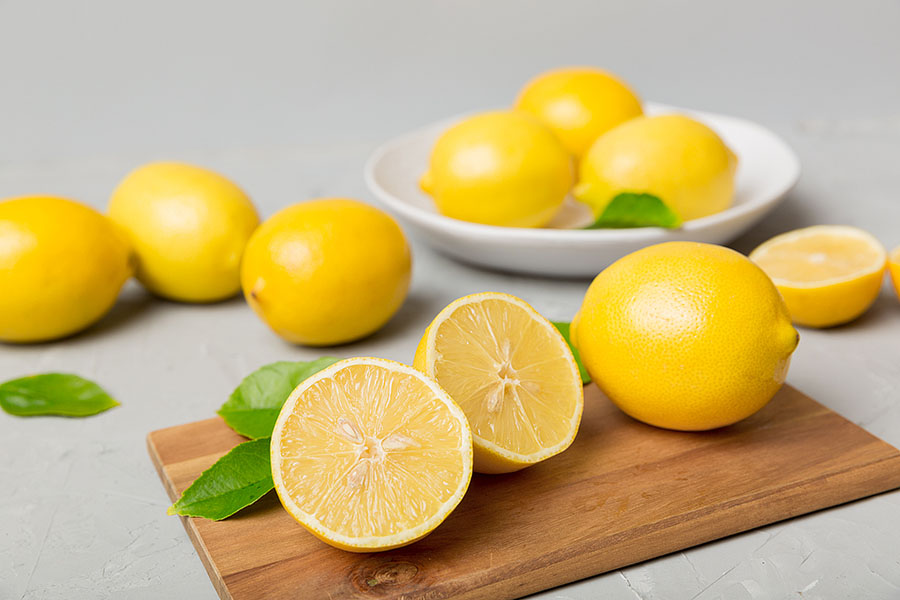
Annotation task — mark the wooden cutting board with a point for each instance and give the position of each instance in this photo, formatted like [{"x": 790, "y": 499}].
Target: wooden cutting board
[{"x": 623, "y": 493}]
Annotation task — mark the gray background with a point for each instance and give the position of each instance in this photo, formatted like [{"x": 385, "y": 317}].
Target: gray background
[{"x": 289, "y": 99}]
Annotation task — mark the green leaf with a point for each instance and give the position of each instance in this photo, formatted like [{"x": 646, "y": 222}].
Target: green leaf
[
  {"x": 54, "y": 394},
  {"x": 253, "y": 407},
  {"x": 564, "y": 329},
  {"x": 636, "y": 210},
  {"x": 235, "y": 481}
]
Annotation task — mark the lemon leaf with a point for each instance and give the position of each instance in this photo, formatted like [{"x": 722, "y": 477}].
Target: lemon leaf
[
  {"x": 253, "y": 407},
  {"x": 564, "y": 329},
  {"x": 60, "y": 394},
  {"x": 233, "y": 482},
  {"x": 628, "y": 210}
]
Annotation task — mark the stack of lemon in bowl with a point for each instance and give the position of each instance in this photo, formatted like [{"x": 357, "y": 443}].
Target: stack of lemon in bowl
[{"x": 581, "y": 131}]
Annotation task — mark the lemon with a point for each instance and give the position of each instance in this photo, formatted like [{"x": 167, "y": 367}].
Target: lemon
[
  {"x": 579, "y": 104},
  {"x": 327, "y": 271},
  {"x": 685, "y": 336},
  {"x": 681, "y": 161},
  {"x": 827, "y": 274},
  {"x": 188, "y": 226},
  {"x": 894, "y": 266},
  {"x": 62, "y": 265},
  {"x": 499, "y": 168},
  {"x": 370, "y": 455},
  {"x": 511, "y": 372}
]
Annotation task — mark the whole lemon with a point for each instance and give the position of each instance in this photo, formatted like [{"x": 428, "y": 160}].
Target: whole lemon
[
  {"x": 499, "y": 168},
  {"x": 686, "y": 336},
  {"x": 188, "y": 226},
  {"x": 62, "y": 265},
  {"x": 680, "y": 160},
  {"x": 579, "y": 104},
  {"x": 327, "y": 271}
]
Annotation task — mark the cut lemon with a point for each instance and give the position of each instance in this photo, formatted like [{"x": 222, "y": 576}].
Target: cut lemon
[
  {"x": 827, "y": 274},
  {"x": 370, "y": 455},
  {"x": 511, "y": 372},
  {"x": 894, "y": 266}
]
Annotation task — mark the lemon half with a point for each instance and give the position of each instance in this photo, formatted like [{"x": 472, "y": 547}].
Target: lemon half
[
  {"x": 511, "y": 372},
  {"x": 369, "y": 454},
  {"x": 827, "y": 274}
]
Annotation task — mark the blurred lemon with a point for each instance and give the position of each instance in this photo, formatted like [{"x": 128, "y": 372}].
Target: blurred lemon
[
  {"x": 327, "y": 271},
  {"x": 894, "y": 266},
  {"x": 679, "y": 160},
  {"x": 827, "y": 274},
  {"x": 62, "y": 265},
  {"x": 499, "y": 168},
  {"x": 188, "y": 226},
  {"x": 685, "y": 336},
  {"x": 579, "y": 104}
]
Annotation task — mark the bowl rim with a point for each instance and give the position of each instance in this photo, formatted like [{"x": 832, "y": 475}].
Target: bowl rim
[{"x": 433, "y": 219}]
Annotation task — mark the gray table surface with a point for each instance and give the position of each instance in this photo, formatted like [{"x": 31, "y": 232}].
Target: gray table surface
[{"x": 289, "y": 99}]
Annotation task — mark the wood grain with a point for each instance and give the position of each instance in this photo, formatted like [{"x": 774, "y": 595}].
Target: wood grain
[{"x": 623, "y": 493}]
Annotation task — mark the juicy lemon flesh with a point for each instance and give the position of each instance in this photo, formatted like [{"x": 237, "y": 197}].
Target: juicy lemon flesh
[
  {"x": 515, "y": 379},
  {"x": 817, "y": 258},
  {"x": 827, "y": 274},
  {"x": 371, "y": 453}
]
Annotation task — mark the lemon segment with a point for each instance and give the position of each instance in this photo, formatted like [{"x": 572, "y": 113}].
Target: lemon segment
[
  {"x": 827, "y": 274},
  {"x": 894, "y": 266},
  {"x": 513, "y": 375},
  {"x": 579, "y": 104},
  {"x": 370, "y": 455}
]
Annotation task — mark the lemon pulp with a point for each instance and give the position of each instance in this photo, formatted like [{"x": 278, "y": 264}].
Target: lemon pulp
[
  {"x": 370, "y": 455},
  {"x": 513, "y": 375},
  {"x": 827, "y": 274}
]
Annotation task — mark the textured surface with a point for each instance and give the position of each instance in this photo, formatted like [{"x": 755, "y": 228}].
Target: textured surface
[
  {"x": 290, "y": 101},
  {"x": 624, "y": 492}
]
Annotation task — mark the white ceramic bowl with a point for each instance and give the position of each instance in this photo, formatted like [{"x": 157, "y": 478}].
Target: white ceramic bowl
[{"x": 767, "y": 170}]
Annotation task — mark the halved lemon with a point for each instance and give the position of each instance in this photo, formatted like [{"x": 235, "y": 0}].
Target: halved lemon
[
  {"x": 894, "y": 266},
  {"x": 827, "y": 274},
  {"x": 511, "y": 372},
  {"x": 370, "y": 454}
]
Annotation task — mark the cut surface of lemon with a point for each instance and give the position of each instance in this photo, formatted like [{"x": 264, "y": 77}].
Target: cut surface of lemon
[
  {"x": 513, "y": 375},
  {"x": 369, "y": 455},
  {"x": 894, "y": 266},
  {"x": 827, "y": 274}
]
